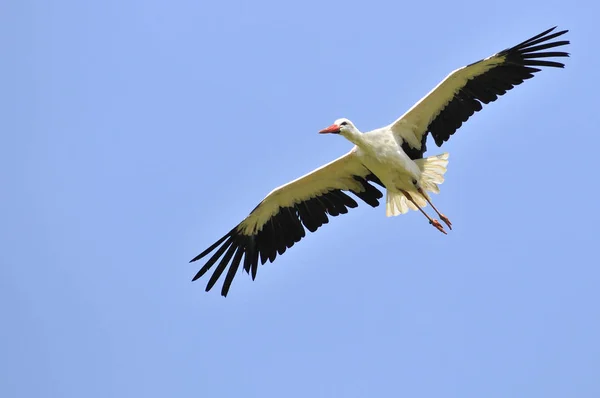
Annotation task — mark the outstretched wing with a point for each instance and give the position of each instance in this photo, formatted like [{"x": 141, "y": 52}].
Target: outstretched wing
[
  {"x": 444, "y": 109},
  {"x": 279, "y": 220}
]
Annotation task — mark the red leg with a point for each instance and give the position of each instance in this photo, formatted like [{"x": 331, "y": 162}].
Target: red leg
[
  {"x": 432, "y": 221},
  {"x": 443, "y": 217}
]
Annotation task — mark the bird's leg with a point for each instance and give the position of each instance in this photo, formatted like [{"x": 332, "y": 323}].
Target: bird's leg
[
  {"x": 432, "y": 221},
  {"x": 443, "y": 217}
]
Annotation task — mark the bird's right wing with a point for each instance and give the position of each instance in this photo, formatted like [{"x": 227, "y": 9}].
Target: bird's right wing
[{"x": 279, "y": 220}]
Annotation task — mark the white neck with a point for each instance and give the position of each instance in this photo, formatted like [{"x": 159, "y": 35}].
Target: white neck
[{"x": 354, "y": 136}]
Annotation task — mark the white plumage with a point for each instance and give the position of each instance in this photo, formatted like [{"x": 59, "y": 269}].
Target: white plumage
[{"x": 390, "y": 157}]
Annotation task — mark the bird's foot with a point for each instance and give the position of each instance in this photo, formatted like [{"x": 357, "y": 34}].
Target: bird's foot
[
  {"x": 446, "y": 221},
  {"x": 437, "y": 224}
]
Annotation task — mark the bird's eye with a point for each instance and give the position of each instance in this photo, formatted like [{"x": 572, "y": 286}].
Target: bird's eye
[{"x": 343, "y": 123}]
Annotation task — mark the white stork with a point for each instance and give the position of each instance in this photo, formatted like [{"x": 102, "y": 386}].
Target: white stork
[{"x": 391, "y": 157}]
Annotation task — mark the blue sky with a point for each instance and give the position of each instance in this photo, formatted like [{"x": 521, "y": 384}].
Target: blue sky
[{"x": 136, "y": 133}]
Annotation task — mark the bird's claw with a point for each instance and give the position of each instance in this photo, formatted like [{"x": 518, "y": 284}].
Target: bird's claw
[
  {"x": 437, "y": 224},
  {"x": 445, "y": 220}
]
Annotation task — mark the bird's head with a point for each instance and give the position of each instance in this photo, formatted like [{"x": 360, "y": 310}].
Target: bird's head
[{"x": 340, "y": 126}]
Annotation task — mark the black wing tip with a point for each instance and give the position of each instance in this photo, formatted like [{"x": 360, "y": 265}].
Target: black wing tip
[
  {"x": 214, "y": 245},
  {"x": 552, "y": 29},
  {"x": 520, "y": 62},
  {"x": 209, "y": 286},
  {"x": 200, "y": 273},
  {"x": 543, "y": 35},
  {"x": 562, "y": 32},
  {"x": 285, "y": 228},
  {"x": 536, "y": 43},
  {"x": 223, "y": 291}
]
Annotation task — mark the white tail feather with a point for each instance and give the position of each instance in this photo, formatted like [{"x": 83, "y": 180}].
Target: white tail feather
[{"x": 432, "y": 174}]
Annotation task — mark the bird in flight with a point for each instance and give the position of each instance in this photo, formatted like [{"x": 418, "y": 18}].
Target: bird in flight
[{"x": 390, "y": 157}]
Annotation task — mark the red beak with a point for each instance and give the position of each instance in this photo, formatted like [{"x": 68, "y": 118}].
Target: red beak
[{"x": 334, "y": 128}]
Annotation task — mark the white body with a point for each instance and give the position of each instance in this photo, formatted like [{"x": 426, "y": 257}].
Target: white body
[
  {"x": 381, "y": 152},
  {"x": 391, "y": 156}
]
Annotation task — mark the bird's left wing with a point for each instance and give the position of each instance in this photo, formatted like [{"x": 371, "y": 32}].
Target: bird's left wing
[
  {"x": 452, "y": 102},
  {"x": 279, "y": 220}
]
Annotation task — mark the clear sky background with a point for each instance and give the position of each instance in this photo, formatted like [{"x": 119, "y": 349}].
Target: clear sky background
[{"x": 136, "y": 133}]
